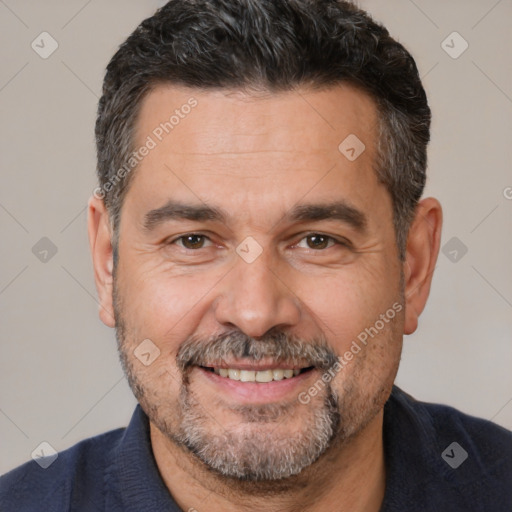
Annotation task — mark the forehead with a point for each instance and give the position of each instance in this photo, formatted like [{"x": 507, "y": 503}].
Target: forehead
[
  {"x": 302, "y": 120},
  {"x": 256, "y": 147}
]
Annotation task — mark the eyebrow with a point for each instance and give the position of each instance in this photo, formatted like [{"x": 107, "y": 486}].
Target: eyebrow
[
  {"x": 337, "y": 210},
  {"x": 174, "y": 210}
]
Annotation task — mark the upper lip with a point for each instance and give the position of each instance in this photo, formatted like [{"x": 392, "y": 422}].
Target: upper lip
[{"x": 259, "y": 366}]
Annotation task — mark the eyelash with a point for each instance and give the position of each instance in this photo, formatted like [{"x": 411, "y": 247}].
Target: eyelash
[{"x": 313, "y": 233}]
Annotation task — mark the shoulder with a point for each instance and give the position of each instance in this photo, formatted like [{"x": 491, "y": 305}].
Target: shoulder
[
  {"x": 489, "y": 443},
  {"x": 451, "y": 459},
  {"x": 79, "y": 469}
]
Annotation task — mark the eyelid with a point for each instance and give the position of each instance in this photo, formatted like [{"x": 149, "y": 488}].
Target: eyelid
[
  {"x": 337, "y": 241},
  {"x": 185, "y": 235}
]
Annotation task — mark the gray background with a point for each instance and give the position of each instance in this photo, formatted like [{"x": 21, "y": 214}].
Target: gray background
[{"x": 60, "y": 379}]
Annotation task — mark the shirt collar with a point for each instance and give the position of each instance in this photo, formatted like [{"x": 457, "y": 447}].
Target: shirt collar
[{"x": 133, "y": 482}]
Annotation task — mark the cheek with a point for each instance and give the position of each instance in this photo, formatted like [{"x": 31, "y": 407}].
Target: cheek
[
  {"x": 164, "y": 307},
  {"x": 345, "y": 303}
]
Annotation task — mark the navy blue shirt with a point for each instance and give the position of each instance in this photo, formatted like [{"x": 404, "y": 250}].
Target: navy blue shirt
[{"x": 437, "y": 458}]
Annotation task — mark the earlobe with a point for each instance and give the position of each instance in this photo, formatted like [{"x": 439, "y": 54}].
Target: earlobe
[
  {"x": 100, "y": 237},
  {"x": 421, "y": 256}
]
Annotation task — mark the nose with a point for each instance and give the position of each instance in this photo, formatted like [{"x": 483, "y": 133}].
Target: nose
[{"x": 255, "y": 298}]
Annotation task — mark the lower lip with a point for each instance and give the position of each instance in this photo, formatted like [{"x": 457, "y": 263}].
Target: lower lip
[{"x": 259, "y": 392}]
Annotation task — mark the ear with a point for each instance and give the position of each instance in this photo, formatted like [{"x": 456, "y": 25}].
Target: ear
[
  {"x": 98, "y": 227},
  {"x": 421, "y": 255}
]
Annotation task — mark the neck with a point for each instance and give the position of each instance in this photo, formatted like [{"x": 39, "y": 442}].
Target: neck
[{"x": 349, "y": 477}]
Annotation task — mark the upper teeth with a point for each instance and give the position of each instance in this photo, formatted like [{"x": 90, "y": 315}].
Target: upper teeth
[{"x": 255, "y": 376}]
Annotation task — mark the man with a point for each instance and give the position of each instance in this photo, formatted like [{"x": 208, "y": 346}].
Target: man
[{"x": 260, "y": 246}]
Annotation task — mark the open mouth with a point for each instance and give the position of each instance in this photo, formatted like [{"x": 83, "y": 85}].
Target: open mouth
[{"x": 267, "y": 375}]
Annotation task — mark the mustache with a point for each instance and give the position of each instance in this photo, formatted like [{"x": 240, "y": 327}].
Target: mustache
[{"x": 278, "y": 346}]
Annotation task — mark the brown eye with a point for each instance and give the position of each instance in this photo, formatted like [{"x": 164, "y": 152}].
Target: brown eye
[
  {"x": 192, "y": 241},
  {"x": 318, "y": 241}
]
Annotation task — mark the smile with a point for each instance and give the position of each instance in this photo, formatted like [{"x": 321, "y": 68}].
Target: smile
[{"x": 268, "y": 375}]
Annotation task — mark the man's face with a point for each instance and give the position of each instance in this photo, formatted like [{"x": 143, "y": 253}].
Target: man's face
[{"x": 292, "y": 259}]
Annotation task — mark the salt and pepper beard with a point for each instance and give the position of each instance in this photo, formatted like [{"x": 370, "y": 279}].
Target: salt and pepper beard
[{"x": 256, "y": 453}]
